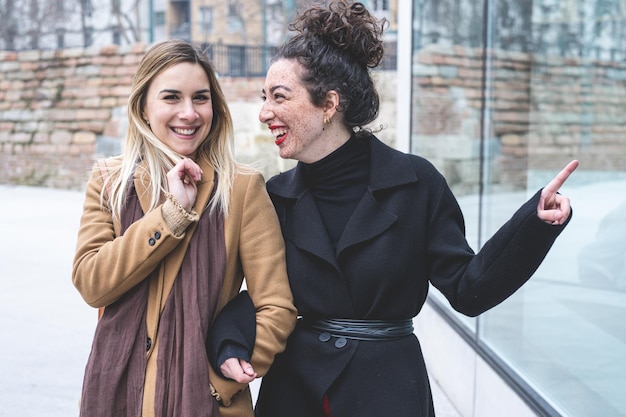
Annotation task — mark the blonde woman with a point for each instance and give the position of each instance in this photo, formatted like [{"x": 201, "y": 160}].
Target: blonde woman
[{"x": 168, "y": 232}]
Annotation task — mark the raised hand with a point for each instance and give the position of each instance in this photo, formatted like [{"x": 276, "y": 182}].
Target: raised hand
[
  {"x": 553, "y": 207},
  {"x": 181, "y": 181}
]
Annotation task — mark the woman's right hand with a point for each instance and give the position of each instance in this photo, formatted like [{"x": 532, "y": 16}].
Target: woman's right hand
[
  {"x": 238, "y": 370},
  {"x": 181, "y": 182},
  {"x": 554, "y": 208}
]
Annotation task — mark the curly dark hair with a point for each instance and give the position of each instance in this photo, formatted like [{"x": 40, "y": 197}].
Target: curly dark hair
[{"x": 337, "y": 46}]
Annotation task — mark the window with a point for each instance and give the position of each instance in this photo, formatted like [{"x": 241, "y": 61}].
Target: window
[
  {"x": 380, "y": 8},
  {"x": 235, "y": 23},
  {"x": 206, "y": 19},
  {"x": 159, "y": 18},
  {"x": 380, "y": 5}
]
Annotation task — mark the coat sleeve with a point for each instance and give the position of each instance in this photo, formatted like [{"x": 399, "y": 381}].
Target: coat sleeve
[
  {"x": 474, "y": 283},
  {"x": 106, "y": 266},
  {"x": 261, "y": 256},
  {"x": 234, "y": 330},
  {"x": 262, "y": 253}
]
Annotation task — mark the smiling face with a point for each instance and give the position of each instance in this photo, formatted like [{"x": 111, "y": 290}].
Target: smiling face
[
  {"x": 178, "y": 107},
  {"x": 295, "y": 122}
]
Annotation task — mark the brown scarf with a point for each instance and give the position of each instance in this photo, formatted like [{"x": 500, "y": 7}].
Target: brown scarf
[{"x": 115, "y": 373}]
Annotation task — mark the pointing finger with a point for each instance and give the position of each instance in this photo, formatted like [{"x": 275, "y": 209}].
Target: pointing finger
[{"x": 558, "y": 181}]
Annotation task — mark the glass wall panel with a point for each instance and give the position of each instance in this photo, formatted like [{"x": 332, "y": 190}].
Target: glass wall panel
[
  {"x": 505, "y": 93},
  {"x": 447, "y": 84}
]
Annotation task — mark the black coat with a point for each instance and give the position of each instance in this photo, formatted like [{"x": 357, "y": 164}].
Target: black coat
[{"x": 406, "y": 231}]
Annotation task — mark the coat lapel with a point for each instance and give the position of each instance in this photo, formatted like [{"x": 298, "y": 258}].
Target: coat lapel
[
  {"x": 368, "y": 221},
  {"x": 389, "y": 169},
  {"x": 307, "y": 231},
  {"x": 304, "y": 226},
  {"x": 370, "y": 218}
]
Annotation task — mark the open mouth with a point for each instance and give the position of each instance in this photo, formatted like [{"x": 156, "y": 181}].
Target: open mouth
[
  {"x": 188, "y": 131},
  {"x": 280, "y": 134}
]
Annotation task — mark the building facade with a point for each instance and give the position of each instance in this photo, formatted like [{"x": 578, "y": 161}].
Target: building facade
[{"x": 248, "y": 22}]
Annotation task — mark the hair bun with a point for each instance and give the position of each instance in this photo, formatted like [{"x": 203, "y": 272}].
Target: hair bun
[{"x": 347, "y": 26}]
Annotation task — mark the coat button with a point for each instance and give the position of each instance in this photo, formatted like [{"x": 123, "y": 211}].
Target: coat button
[
  {"x": 148, "y": 344},
  {"x": 324, "y": 337},
  {"x": 151, "y": 241},
  {"x": 341, "y": 342},
  {"x": 157, "y": 235}
]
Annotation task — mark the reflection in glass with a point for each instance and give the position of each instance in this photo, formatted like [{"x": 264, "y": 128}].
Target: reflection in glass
[
  {"x": 504, "y": 94},
  {"x": 602, "y": 261}
]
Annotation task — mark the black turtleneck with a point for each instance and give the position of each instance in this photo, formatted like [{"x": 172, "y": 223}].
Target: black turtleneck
[{"x": 338, "y": 182}]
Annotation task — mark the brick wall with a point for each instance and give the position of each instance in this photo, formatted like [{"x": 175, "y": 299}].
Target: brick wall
[
  {"x": 54, "y": 105},
  {"x": 543, "y": 111},
  {"x": 59, "y": 110}
]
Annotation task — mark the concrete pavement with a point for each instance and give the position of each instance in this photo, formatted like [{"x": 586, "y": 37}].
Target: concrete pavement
[{"x": 45, "y": 326}]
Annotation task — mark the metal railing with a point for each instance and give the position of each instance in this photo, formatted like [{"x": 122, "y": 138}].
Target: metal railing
[
  {"x": 239, "y": 60},
  {"x": 253, "y": 61}
]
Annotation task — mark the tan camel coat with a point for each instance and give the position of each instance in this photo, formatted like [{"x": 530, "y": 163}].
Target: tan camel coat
[{"x": 106, "y": 267}]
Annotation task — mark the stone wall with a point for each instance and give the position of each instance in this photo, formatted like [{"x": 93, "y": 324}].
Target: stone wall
[
  {"x": 540, "y": 112},
  {"x": 60, "y": 110},
  {"x": 54, "y": 106}
]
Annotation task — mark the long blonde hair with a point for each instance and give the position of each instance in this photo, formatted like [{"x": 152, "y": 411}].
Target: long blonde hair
[{"x": 142, "y": 145}]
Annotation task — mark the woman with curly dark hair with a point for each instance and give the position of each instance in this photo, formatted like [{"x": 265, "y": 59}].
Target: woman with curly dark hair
[{"x": 367, "y": 228}]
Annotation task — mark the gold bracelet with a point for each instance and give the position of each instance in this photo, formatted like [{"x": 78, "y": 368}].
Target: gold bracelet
[{"x": 191, "y": 216}]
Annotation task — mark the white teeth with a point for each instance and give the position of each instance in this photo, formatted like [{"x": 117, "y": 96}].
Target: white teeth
[
  {"x": 277, "y": 132},
  {"x": 184, "y": 131}
]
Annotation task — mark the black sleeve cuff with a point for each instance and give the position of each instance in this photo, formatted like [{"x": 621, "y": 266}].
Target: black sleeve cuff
[{"x": 233, "y": 332}]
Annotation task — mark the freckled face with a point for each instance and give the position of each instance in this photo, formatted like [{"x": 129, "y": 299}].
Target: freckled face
[
  {"x": 296, "y": 123},
  {"x": 179, "y": 108}
]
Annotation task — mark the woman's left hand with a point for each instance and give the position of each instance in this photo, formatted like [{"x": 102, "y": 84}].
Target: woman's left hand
[
  {"x": 238, "y": 370},
  {"x": 553, "y": 208}
]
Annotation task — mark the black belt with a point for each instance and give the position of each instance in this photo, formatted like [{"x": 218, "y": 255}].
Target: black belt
[{"x": 362, "y": 329}]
